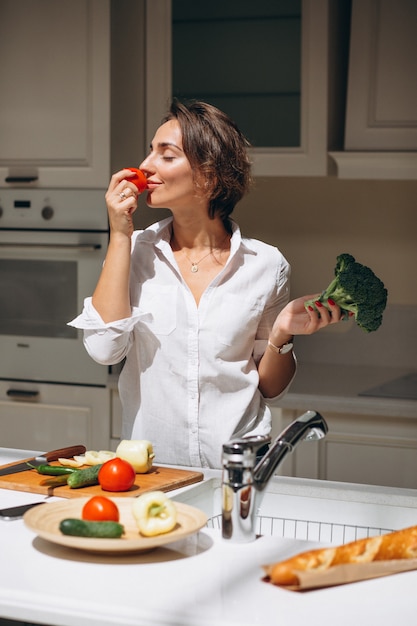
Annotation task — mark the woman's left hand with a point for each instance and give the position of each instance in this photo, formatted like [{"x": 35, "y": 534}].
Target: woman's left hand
[{"x": 296, "y": 319}]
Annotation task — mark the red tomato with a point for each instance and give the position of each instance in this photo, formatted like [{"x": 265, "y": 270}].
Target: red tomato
[
  {"x": 100, "y": 509},
  {"x": 116, "y": 475},
  {"x": 139, "y": 179}
]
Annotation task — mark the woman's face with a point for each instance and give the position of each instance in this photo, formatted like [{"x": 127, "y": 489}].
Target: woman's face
[{"x": 170, "y": 176}]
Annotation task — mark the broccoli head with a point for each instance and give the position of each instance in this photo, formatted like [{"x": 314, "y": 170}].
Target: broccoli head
[{"x": 357, "y": 289}]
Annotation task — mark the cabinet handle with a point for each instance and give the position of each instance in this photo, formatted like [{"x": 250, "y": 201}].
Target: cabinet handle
[
  {"x": 21, "y": 179},
  {"x": 56, "y": 246},
  {"x": 22, "y": 393}
]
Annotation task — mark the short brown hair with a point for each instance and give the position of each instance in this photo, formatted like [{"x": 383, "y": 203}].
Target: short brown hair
[{"x": 217, "y": 150}]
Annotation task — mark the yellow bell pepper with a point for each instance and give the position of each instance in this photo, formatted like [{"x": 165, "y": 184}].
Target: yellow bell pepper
[
  {"x": 138, "y": 452},
  {"x": 155, "y": 513}
]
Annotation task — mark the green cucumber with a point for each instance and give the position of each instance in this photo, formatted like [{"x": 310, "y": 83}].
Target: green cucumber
[
  {"x": 84, "y": 477},
  {"x": 82, "y": 528}
]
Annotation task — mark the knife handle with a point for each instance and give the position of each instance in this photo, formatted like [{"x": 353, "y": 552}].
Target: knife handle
[{"x": 64, "y": 453}]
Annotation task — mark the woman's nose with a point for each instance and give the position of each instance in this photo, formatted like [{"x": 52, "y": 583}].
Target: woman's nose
[{"x": 146, "y": 165}]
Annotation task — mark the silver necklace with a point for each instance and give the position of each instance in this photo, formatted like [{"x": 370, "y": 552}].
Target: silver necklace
[{"x": 195, "y": 264}]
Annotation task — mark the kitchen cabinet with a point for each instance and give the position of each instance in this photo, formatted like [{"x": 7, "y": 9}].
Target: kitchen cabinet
[
  {"x": 268, "y": 81},
  {"x": 381, "y": 111},
  {"x": 44, "y": 417},
  {"x": 55, "y": 85},
  {"x": 367, "y": 449},
  {"x": 321, "y": 23},
  {"x": 382, "y": 100}
]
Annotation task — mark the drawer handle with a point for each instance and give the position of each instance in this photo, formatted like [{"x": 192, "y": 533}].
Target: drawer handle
[
  {"x": 22, "y": 393},
  {"x": 49, "y": 246},
  {"x": 21, "y": 179}
]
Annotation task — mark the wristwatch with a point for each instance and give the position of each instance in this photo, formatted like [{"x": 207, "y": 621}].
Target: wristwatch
[{"x": 284, "y": 349}]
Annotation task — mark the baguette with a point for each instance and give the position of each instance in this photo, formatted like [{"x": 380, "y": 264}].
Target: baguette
[{"x": 401, "y": 544}]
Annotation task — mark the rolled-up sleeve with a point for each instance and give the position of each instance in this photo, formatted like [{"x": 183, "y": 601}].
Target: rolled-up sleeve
[{"x": 106, "y": 343}]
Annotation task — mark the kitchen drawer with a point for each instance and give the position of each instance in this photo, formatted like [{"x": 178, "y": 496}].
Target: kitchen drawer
[
  {"x": 366, "y": 449},
  {"x": 53, "y": 416}
]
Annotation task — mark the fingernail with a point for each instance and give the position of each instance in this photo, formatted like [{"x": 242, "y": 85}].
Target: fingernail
[
  {"x": 310, "y": 308},
  {"x": 318, "y": 303},
  {"x": 331, "y": 302}
]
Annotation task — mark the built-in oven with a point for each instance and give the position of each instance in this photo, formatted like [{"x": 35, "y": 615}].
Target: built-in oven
[{"x": 52, "y": 247}]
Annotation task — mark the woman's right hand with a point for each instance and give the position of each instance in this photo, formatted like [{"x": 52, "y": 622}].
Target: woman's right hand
[
  {"x": 122, "y": 201},
  {"x": 111, "y": 295}
]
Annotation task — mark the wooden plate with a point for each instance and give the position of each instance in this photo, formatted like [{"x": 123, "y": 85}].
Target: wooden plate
[{"x": 45, "y": 520}]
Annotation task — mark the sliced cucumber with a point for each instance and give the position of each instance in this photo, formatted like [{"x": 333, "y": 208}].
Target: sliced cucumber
[{"x": 82, "y": 528}]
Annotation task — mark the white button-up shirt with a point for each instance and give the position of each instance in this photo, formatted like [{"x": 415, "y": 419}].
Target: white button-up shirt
[{"x": 190, "y": 380}]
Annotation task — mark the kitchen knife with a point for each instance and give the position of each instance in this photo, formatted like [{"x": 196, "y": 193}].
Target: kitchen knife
[{"x": 46, "y": 457}]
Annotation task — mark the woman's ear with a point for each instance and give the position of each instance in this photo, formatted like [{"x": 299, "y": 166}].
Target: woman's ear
[{"x": 204, "y": 184}]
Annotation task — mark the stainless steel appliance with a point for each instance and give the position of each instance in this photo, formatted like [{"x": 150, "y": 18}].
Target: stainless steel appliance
[{"x": 52, "y": 246}]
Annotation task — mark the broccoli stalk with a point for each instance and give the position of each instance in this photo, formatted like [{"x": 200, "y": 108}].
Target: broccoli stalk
[{"x": 355, "y": 288}]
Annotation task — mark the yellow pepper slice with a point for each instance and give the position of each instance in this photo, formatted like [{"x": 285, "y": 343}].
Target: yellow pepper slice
[
  {"x": 91, "y": 457},
  {"x": 155, "y": 513}
]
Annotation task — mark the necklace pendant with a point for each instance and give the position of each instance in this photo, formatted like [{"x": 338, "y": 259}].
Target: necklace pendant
[{"x": 194, "y": 268}]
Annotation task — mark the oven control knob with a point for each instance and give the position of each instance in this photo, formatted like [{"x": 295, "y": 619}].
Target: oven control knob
[{"x": 47, "y": 212}]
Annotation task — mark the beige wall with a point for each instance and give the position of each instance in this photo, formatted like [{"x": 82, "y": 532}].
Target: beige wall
[{"x": 312, "y": 220}]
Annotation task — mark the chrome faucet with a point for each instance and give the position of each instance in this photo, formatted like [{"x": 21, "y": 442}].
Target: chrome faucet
[{"x": 244, "y": 479}]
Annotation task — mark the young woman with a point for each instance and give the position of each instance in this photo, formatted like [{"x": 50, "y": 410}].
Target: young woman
[{"x": 200, "y": 313}]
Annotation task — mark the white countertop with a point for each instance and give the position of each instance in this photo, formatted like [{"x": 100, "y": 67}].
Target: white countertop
[
  {"x": 335, "y": 387},
  {"x": 200, "y": 581}
]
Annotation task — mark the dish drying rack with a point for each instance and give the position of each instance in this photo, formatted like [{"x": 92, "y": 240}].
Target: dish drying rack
[
  {"x": 314, "y": 510},
  {"x": 307, "y": 530}
]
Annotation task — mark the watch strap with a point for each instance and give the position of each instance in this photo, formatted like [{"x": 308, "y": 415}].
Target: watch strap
[{"x": 283, "y": 349}]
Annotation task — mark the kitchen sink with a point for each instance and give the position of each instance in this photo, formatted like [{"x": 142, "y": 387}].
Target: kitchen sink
[{"x": 314, "y": 510}]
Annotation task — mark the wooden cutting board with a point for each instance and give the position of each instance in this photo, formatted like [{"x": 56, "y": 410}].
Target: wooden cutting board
[{"x": 158, "y": 478}]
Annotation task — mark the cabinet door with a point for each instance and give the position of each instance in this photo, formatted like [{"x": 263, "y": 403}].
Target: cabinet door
[
  {"x": 365, "y": 449},
  {"x": 309, "y": 156},
  {"x": 382, "y": 86},
  {"x": 35, "y": 416},
  {"x": 55, "y": 102},
  {"x": 261, "y": 91},
  {"x": 43, "y": 427},
  {"x": 371, "y": 461}
]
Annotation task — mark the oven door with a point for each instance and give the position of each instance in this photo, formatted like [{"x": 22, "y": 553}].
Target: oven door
[{"x": 44, "y": 278}]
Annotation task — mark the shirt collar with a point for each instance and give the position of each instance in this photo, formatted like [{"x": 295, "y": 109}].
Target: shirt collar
[{"x": 159, "y": 234}]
